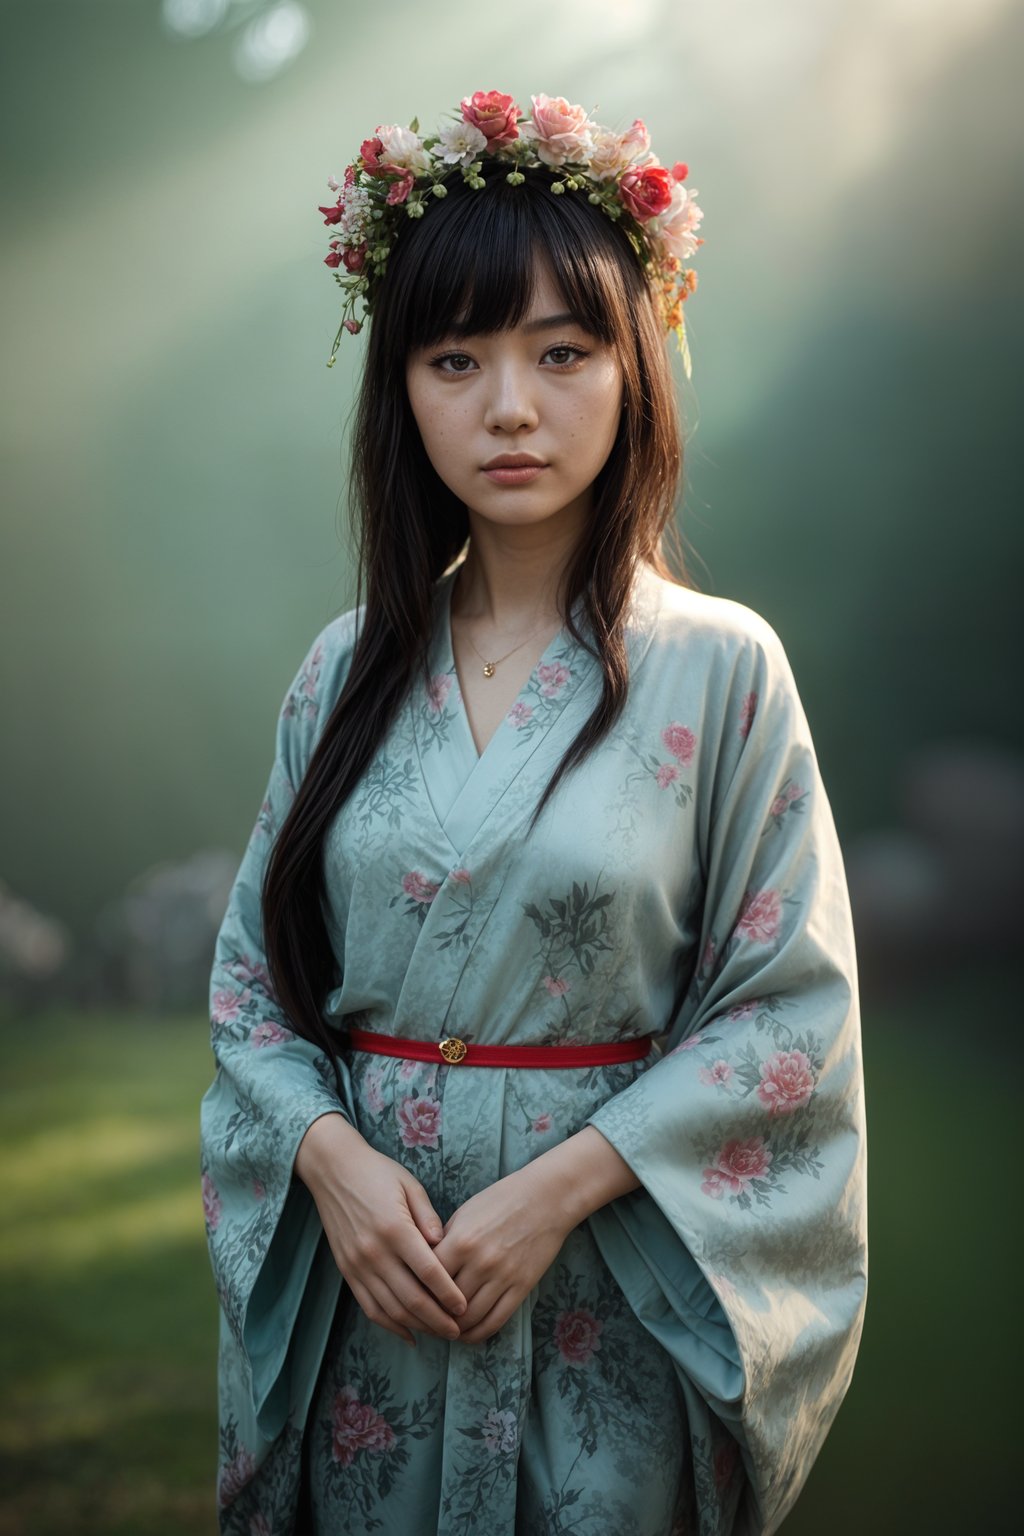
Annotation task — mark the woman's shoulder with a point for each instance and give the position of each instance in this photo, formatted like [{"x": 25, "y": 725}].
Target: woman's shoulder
[
  {"x": 684, "y": 615},
  {"x": 322, "y": 671}
]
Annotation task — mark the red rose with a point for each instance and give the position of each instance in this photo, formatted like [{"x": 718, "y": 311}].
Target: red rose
[
  {"x": 494, "y": 114},
  {"x": 646, "y": 190}
]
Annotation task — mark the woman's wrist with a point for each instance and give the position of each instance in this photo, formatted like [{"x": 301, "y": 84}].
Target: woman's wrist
[
  {"x": 582, "y": 1174},
  {"x": 328, "y": 1137}
]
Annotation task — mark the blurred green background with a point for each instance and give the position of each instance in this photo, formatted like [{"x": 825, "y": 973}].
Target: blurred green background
[{"x": 174, "y": 534}]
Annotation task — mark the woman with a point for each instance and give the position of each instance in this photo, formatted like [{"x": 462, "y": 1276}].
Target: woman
[{"x": 534, "y": 1162}]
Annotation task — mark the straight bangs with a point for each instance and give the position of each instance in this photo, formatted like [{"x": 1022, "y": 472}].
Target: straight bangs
[{"x": 468, "y": 266}]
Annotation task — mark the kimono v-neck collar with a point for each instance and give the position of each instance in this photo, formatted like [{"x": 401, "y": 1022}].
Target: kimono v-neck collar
[{"x": 465, "y": 786}]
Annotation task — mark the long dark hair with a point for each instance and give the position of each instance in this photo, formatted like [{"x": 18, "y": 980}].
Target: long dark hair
[{"x": 467, "y": 266}]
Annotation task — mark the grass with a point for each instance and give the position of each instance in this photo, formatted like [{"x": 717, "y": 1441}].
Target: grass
[{"x": 108, "y": 1351}]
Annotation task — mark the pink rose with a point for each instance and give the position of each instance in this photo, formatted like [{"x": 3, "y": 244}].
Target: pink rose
[
  {"x": 559, "y": 132},
  {"x": 576, "y": 1334},
  {"x": 418, "y": 886},
  {"x": 787, "y": 1082},
  {"x": 494, "y": 114},
  {"x": 233, "y": 1477},
  {"x": 636, "y": 140},
  {"x": 667, "y": 774},
  {"x": 717, "y": 1075},
  {"x": 460, "y": 876},
  {"x": 646, "y": 190},
  {"x": 556, "y": 986},
  {"x": 224, "y": 1006},
  {"x": 419, "y": 1121},
  {"x": 676, "y": 226},
  {"x": 542, "y": 1122},
  {"x": 760, "y": 916},
  {"x": 357, "y": 1427},
  {"x": 736, "y": 1164},
  {"x": 680, "y": 741},
  {"x": 211, "y": 1203}
]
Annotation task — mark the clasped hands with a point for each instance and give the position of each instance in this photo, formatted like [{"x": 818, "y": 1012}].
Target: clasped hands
[{"x": 462, "y": 1280}]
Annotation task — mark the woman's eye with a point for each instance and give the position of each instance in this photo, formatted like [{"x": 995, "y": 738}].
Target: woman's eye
[
  {"x": 570, "y": 353},
  {"x": 566, "y": 357},
  {"x": 453, "y": 357}
]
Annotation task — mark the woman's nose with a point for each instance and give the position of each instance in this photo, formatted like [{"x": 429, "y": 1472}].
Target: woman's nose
[{"x": 511, "y": 405}]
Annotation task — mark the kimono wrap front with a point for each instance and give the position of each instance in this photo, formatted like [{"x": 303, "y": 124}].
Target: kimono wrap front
[{"x": 680, "y": 1363}]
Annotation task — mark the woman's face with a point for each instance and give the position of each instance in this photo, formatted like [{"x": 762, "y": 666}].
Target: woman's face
[{"x": 547, "y": 389}]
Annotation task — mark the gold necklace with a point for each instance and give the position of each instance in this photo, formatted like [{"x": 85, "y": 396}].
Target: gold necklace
[{"x": 489, "y": 666}]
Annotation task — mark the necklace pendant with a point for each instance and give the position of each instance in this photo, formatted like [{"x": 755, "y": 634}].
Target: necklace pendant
[{"x": 488, "y": 669}]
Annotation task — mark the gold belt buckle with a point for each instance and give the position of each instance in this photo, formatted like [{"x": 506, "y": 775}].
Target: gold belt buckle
[{"x": 452, "y": 1049}]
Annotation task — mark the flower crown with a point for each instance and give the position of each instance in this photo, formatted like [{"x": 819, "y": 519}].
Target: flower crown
[{"x": 397, "y": 170}]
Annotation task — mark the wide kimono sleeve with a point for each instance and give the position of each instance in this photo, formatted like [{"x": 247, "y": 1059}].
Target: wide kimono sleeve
[
  {"x": 748, "y": 1135},
  {"x": 270, "y": 1084}
]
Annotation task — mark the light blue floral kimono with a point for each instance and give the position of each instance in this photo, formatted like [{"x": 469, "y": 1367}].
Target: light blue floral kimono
[{"x": 679, "y": 1365}]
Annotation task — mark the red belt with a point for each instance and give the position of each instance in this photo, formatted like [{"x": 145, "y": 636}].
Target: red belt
[{"x": 455, "y": 1051}]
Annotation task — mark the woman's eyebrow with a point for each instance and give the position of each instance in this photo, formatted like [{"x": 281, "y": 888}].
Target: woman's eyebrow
[{"x": 459, "y": 328}]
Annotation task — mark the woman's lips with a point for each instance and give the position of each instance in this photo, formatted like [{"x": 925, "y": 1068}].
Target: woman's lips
[{"x": 520, "y": 474}]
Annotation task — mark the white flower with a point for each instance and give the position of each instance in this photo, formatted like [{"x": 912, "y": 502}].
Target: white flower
[
  {"x": 333, "y": 183},
  {"x": 675, "y": 228},
  {"x": 609, "y": 156},
  {"x": 459, "y": 143},
  {"x": 404, "y": 149},
  {"x": 354, "y": 224},
  {"x": 499, "y": 1429}
]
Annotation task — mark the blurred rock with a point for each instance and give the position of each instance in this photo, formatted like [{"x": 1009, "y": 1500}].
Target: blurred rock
[
  {"x": 948, "y": 886},
  {"x": 153, "y": 946},
  {"x": 35, "y": 951}
]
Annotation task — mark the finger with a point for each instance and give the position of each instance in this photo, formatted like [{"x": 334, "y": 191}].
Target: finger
[
  {"x": 495, "y": 1319},
  {"x": 421, "y": 1309},
  {"x": 423, "y": 1213},
  {"x": 376, "y": 1313},
  {"x": 428, "y": 1268},
  {"x": 482, "y": 1301}
]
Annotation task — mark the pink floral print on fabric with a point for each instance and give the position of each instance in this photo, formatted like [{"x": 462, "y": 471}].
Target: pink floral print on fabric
[
  {"x": 787, "y": 1082},
  {"x": 736, "y": 1165},
  {"x": 358, "y": 1427},
  {"x": 241, "y": 1469},
  {"x": 211, "y": 1203},
  {"x": 747, "y": 711},
  {"x": 552, "y": 677},
  {"x": 269, "y": 1032},
  {"x": 680, "y": 741},
  {"x": 576, "y": 1334},
  {"x": 760, "y": 916},
  {"x": 419, "y": 1121},
  {"x": 438, "y": 691}
]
